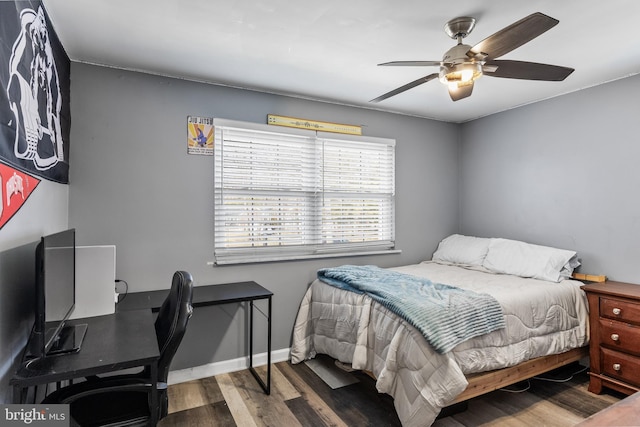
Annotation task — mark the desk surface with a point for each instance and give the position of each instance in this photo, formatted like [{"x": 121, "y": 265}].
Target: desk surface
[
  {"x": 112, "y": 342},
  {"x": 202, "y": 295}
]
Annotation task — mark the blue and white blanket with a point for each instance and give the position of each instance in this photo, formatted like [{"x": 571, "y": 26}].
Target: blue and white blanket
[{"x": 444, "y": 314}]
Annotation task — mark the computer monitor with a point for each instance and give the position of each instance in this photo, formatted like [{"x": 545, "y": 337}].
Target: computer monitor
[{"x": 55, "y": 297}]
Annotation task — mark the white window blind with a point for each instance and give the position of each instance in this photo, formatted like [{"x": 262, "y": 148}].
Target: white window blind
[{"x": 284, "y": 193}]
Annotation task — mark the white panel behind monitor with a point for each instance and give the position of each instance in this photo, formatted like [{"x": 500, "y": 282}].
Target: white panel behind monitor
[{"x": 95, "y": 281}]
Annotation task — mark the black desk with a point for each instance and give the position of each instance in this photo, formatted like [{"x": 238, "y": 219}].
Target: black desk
[
  {"x": 113, "y": 342},
  {"x": 213, "y": 295}
]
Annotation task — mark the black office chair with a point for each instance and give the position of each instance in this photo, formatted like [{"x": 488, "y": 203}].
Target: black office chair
[{"x": 124, "y": 400}]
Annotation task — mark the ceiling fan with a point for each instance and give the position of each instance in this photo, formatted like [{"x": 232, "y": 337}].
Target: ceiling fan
[{"x": 463, "y": 64}]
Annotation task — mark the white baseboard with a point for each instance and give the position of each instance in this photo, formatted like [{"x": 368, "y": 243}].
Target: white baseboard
[{"x": 226, "y": 366}]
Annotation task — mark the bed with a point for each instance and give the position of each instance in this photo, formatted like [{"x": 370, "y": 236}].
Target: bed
[{"x": 545, "y": 316}]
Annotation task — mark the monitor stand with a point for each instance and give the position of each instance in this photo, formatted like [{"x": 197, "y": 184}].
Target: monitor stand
[{"x": 69, "y": 339}]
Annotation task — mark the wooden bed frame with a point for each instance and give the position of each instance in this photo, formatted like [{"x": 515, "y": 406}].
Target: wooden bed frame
[{"x": 487, "y": 382}]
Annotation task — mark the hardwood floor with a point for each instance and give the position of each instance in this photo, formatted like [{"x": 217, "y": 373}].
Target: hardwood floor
[{"x": 299, "y": 397}]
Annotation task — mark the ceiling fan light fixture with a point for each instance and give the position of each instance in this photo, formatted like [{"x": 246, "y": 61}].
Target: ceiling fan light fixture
[
  {"x": 460, "y": 74},
  {"x": 463, "y": 64}
]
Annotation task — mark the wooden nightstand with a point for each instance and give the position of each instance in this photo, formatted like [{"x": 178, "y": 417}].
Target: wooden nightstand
[{"x": 614, "y": 349}]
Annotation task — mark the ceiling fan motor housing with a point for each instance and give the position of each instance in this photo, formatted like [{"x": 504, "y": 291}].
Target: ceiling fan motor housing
[
  {"x": 457, "y": 54},
  {"x": 457, "y": 67}
]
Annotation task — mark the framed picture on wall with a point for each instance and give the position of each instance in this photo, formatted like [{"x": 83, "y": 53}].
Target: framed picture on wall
[{"x": 200, "y": 135}]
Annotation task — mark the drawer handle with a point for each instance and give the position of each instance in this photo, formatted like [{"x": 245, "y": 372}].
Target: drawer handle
[
  {"x": 617, "y": 311},
  {"x": 616, "y": 366},
  {"x": 615, "y": 337}
]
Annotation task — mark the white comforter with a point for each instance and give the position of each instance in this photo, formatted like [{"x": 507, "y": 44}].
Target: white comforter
[{"x": 542, "y": 318}]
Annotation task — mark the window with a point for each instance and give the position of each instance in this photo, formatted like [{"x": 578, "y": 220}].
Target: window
[{"x": 283, "y": 193}]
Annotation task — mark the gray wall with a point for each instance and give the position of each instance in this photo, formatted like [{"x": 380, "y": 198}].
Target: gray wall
[
  {"x": 561, "y": 172},
  {"x": 564, "y": 173},
  {"x": 44, "y": 212},
  {"x": 134, "y": 186}
]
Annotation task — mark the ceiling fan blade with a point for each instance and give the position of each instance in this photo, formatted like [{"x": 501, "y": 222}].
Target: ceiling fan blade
[
  {"x": 408, "y": 86},
  {"x": 513, "y": 36},
  {"x": 412, "y": 63},
  {"x": 526, "y": 70},
  {"x": 460, "y": 92}
]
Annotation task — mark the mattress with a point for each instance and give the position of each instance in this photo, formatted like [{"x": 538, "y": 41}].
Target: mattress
[{"x": 542, "y": 318}]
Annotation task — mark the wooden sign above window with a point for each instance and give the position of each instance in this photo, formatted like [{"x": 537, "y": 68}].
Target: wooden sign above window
[{"x": 293, "y": 122}]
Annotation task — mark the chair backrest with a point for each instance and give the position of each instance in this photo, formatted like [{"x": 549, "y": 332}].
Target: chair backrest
[{"x": 172, "y": 320}]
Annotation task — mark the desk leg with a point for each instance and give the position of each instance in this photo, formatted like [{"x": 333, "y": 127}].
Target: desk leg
[
  {"x": 268, "y": 390},
  {"x": 251, "y": 339},
  {"x": 155, "y": 405},
  {"x": 266, "y": 387}
]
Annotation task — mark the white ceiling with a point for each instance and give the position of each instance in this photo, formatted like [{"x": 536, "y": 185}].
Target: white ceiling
[{"x": 328, "y": 49}]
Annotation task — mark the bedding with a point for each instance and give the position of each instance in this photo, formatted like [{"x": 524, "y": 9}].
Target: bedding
[
  {"x": 529, "y": 260},
  {"x": 508, "y": 257},
  {"x": 459, "y": 249},
  {"x": 541, "y": 317},
  {"x": 445, "y": 315}
]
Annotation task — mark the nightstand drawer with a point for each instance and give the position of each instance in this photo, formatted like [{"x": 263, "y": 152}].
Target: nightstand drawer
[
  {"x": 614, "y": 323},
  {"x": 624, "y": 311},
  {"x": 621, "y": 366},
  {"x": 620, "y": 336}
]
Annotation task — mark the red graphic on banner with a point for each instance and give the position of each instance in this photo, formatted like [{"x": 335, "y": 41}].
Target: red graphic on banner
[{"x": 15, "y": 189}]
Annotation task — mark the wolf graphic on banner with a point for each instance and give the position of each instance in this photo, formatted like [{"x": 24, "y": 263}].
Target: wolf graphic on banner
[
  {"x": 34, "y": 104},
  {"x": 35, "y": 98},
  {"x": 35, "y": 118}
]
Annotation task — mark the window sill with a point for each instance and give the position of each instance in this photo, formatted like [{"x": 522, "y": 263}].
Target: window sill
[{"x": 255, "y": 260}]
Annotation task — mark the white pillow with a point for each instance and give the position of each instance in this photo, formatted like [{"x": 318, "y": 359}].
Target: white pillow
[
  {"x": 461, "y": 249},
  {"x": 572, "y": 264},
  {"x": 528, "y": 260}
]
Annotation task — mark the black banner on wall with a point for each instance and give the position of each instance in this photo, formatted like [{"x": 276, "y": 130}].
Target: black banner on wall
[{"x": 34, "y": 94}]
